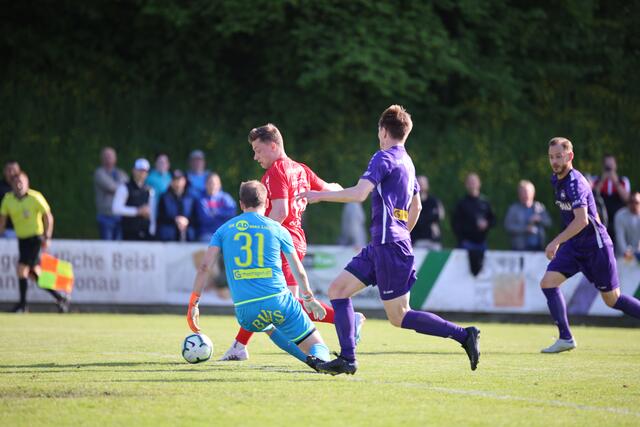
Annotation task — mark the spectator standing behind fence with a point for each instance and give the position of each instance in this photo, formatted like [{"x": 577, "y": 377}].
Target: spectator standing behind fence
[
  {"x": 176, "y": 210},
  {"x": 614, "y": 190},
  {"x": 472, "y": 219},
  {"x": 159, "y": 178},
  {"x": 427, "y": 232},
  {"x": 213, "y": 208},
  {"x": 354, "y": 232},
  {"x": 11, "y": 169},
  {"x": 627, "y": 226},
  {"x": 197, "y": 174},
  {"x": 526, "y": 220},
  {"x": 133, "y": 202},
  {"x": 106, "y": 180}
]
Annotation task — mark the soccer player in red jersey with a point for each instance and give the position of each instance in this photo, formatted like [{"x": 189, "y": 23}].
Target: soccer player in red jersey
[{"x": 285, "y": 179}]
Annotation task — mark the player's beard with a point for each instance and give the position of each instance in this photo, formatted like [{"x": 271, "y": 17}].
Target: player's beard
[{"x": 560, "y": 170}]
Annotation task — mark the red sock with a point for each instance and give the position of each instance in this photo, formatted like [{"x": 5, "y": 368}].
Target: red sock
[
  {"x": 244, "y": 336},
  {"x": 327, "y": 319}
]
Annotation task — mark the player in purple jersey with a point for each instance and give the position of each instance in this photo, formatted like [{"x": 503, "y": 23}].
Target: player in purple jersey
[
  {"x": 388, "y": 260},
  {"x": 583, "y": 246}
]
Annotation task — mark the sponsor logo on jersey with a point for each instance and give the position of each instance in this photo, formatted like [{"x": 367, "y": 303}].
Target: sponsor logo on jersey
[
  {"x": 401, "y": 214},
  {"x": 565, "y": 206},
  {"x": 253, "y": 273},
  {"x": 242, "y": 225}
]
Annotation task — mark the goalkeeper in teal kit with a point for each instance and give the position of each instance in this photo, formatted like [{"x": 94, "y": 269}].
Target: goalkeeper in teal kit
[{"x": 251, "y": 244}]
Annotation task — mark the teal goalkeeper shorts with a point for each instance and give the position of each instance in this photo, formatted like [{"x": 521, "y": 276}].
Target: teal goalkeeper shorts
[{"x": 282, "y": 311}]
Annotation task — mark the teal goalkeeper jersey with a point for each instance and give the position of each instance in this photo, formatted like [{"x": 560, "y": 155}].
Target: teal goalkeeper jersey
[{"x": 251, "y": 245}]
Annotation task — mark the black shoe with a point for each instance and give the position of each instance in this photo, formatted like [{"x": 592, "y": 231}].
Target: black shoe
[
  {"x": 340, "y": 365},
  {"x": 472, "y": 346},
  {"x": 313, "y": 361},
  {"x": 63, "y": 304},
  {"x": 19, "y": 308}
]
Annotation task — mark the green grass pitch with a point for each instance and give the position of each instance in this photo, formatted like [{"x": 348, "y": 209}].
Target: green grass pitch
[{"x": 84, "y": 369}]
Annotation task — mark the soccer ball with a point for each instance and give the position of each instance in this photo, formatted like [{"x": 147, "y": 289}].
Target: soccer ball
[{"x": 197, "y": 348}]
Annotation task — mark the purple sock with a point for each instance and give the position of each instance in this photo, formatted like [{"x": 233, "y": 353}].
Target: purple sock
[
  {"x": 558, "y": 310},
  {"x": 345, "y": 327},
  {"x": 628, "y": 305},
  {"x": 430, "y": 324}
]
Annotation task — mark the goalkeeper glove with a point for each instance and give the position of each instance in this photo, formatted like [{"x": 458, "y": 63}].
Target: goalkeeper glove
[
  {"x": 313, "y": 306},
  {"x": 193, "y": 313}
]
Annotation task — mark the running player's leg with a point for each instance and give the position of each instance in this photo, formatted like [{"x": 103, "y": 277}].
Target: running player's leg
[
  {"x": 340, "y": 292},
  {"x": 602, "y": 270},
  {"x": 564, "y": 265},
  {"x": 550, "y": 285},
  {"x": 625, "y": 303}
]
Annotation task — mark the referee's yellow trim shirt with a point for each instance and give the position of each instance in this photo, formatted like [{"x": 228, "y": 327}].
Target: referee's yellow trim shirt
[{"x": 25, "y": 213}]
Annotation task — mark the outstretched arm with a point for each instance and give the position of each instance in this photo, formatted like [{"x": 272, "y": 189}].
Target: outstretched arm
[
  {"x": 310, "y": 303},
  {"x": 357, "y": 193},
  {"x": 193, "y": 312}
]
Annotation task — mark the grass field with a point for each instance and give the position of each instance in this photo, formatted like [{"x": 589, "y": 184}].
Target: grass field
[{"x": 84, "y": 369}]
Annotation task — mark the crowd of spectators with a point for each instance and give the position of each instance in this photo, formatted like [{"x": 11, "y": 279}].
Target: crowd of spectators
[
  {"x": 167, "y": 204},
  {"x": 161, "y": 203}
]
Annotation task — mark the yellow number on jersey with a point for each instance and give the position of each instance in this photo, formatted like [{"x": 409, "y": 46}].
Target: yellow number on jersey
[{"x": 246, "y": 247}]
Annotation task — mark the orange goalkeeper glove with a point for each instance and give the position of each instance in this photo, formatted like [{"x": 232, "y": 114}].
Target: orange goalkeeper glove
[{"x": 193, "y": 313}]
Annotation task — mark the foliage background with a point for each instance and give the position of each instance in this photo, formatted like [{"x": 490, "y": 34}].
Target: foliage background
[{"x": 487, "y": 83}]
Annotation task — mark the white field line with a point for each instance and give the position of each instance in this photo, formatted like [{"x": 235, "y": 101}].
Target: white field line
[{"x": 496, "y": 396}]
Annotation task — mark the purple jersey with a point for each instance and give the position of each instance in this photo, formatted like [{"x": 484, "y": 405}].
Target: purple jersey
[
  {"x": 394, "y": 176},
  {"x": 572, "y": 192}
]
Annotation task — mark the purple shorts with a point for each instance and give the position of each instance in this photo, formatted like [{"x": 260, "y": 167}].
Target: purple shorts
[
  {"x": 389, "y": 266},
  {"x": 598, "y": 264}
]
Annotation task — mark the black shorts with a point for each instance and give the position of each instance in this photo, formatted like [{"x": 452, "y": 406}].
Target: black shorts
[{"x": 29, "y": 250}]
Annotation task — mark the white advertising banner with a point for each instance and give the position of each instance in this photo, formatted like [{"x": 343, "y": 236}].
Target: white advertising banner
[
  {"x": 510, "y": 283},
  {"x": 163, "y": 273}
]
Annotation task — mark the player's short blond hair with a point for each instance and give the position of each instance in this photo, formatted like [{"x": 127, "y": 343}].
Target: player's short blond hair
[
  {"x": 397, "y": 121},
  {"x": 266, "y": 133},
  {"x": 564, "y": 142},
  {"x": 253, "y": 194}
]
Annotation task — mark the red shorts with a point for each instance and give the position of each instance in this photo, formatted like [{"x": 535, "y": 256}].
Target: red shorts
[{"x": 286, "y": 269}]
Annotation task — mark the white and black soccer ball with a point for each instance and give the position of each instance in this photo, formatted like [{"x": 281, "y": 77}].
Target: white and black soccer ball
[{"x": 197, "y": 348}]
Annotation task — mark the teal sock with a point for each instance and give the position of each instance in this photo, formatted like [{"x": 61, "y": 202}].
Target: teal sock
[
  {"x": 283, "y": 342},
  {"x": 320, "y": 351}
]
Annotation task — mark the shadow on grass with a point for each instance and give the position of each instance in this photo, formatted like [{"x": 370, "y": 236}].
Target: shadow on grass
[
  {"x": 90, "y": 365},
  {"x": 171, "y": 367}
]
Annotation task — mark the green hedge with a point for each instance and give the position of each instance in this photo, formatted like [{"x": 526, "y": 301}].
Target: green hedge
[{"x": 488, "y": 83}]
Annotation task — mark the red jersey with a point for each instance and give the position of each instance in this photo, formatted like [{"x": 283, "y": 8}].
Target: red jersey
[{"x": 285, "y": 179}]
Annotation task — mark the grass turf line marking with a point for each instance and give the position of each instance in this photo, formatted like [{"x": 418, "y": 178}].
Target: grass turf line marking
[{"x": 490, "y": 395}]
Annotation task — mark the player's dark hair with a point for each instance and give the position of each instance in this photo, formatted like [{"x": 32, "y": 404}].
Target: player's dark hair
[
  {"x": 397, "y": 121},
  {"x": 158, "y": 154},
  {"x": 564, "y": 142},
  {"x": 10, "y": 162},
  {"x": 266, "y": 133},
  {"x": 253, "y": 194}
]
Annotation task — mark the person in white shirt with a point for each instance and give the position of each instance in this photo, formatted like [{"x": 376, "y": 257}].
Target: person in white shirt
[{"x": 133, "y": 202}]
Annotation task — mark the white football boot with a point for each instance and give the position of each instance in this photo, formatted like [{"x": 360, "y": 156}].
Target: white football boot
[
  {"x": 237, "y": 352},
  {"x": 560, "y": 345},
  {"x": 359, "y": 322}
]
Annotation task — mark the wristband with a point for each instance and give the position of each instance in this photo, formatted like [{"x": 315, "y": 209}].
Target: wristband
[{"x": 306, "y": 297}]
